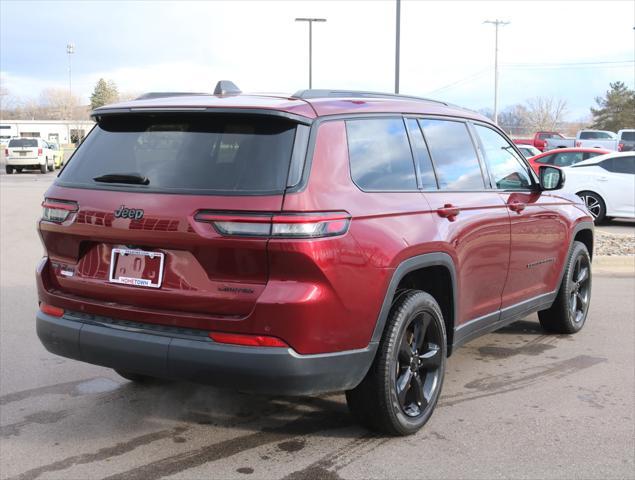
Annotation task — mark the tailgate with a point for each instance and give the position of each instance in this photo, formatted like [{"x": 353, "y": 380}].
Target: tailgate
[{"x": 202, "y": 271}]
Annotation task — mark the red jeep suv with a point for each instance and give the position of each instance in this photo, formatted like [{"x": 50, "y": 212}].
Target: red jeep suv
[{"x": 318, "y": 242}]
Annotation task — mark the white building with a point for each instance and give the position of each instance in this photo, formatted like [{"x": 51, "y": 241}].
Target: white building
[{"x": 58, "y": 131}]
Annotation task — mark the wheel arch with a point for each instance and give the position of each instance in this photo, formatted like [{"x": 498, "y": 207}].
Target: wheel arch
[{"x": 434, "y": 273}]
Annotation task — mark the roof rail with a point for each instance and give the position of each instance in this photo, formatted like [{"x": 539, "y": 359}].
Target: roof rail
[
  {"x": 319, "y": 93},
  {"x": 150, "y": 95}
]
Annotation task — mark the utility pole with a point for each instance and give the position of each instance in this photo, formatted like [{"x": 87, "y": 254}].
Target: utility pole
[
  {"x": 310, "y": 21},
  {"x": 496, "y": 24},
  {"x": 397, "y": 39}
]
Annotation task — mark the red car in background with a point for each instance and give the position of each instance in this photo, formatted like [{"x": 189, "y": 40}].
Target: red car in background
[
  {"x": 564, "y": 157},
  {"x": 539, "y": 140}
]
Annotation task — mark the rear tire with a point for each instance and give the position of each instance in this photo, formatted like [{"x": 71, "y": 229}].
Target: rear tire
[
  {"x": 51, "y": 166},
  {"x": 136, "y": 377},
  {"x": 43, "y": 168},
  {"x": 571, "y": 306},
  {"x": 18, "y": 169},
  {"x": 8, "y": 169},
  {"x": 402, "y": 387},
  {"x": 594, "y": 204}
]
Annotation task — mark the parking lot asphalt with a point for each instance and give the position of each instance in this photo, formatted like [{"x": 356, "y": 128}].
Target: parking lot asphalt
[{"x": 517, "y": 403}]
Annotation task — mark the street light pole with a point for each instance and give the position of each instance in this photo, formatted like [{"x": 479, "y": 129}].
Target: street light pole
[
  {"x": 496, "y": 24},
  {"x": 310, "y": 22},
  {"x": 397, "y": 41},
  {"x": 70, "y": 50}
]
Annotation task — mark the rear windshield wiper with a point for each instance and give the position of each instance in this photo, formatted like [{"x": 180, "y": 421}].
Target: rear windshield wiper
[{"x": 132, "y": 178}]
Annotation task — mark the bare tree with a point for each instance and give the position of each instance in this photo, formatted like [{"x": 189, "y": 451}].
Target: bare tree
[
  {"x": 545, "y": 113},
  {"x": 58, "y": 104},
  {"x": 513, "y": 120}
]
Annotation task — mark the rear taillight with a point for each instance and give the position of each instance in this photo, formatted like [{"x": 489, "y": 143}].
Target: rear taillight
[
  {"x": 247, "y": 340},
  {"x": 6, "y": 152},
  {"x": 51, "y": 310},
  {"x": 39, "y": 152},
  {"x": 285, "y": 225},
  {"x": 620, "y": 147},
  {"x": 578, "y": 143},
  {"x": 57, "y": 211}
]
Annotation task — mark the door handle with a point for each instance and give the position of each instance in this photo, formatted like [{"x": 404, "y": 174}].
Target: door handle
[
  {"x": 602, "y": 179},
  {"x": 448, "y": 211},
  {"x": 516, "y": 206}
]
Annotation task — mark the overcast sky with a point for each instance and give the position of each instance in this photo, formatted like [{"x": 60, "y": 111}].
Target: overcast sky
[{"x": 562, "y": 49}]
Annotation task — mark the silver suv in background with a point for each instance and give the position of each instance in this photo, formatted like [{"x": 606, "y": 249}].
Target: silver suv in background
[
  {"x": 626, "y": 140},
  {"x": 29, "y": 153}
]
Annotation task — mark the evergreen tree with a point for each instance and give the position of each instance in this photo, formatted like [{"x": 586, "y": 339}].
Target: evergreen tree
[
  {"x": 616, "y": 110},
  {"x": 105, "y": 92}
]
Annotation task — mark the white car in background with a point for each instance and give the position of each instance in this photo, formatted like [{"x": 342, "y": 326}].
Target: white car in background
[
  {"x": 528, "y": 150},
  {"x": 606, "y": 183},
  {"x": 26, "y": 153}
]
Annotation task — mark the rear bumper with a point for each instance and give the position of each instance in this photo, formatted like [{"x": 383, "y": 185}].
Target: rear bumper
[
  {"x": 190, "y": 355},
  {"x": 26, "y": 161}
]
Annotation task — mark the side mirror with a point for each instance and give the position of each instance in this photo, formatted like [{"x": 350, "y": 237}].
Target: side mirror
[{"x": 551, "y": 178}]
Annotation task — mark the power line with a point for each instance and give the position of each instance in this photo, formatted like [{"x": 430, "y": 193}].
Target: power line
[
  {"x": 480, "y": 73},
  {"x": 565, "y": 64}
]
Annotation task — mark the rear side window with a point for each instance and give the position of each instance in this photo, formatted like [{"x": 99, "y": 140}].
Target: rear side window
[
  {"x": 594, "y": 135},
  {"x": 187, "y": 153},
  {"x": 455, "y": 161},
  {"x": 422, "y": 156},
  {"x": 380, "y": 155},
  {"x": 588, "y": 155},
  {"x": 629, "y": 136},
  {"x": 22, "y": 143},
  {"x": 619, "y": 165}
]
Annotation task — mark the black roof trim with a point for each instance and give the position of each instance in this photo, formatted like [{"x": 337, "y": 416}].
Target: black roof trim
[
  {"x": 151, "y": 95},
  {"x": 320, "y": 93}
]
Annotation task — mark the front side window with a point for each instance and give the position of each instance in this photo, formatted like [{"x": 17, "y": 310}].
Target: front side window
[
  {"x": 380, "y": 155},
  {"x": 567, "y": 158},
  {"x": 507, "y": 169},
  {"x": 547, "y": 159},
  {"x": 453, "y": 154}
]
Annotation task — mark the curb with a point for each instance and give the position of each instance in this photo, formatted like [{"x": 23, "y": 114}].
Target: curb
[{"x": 614, "y": 264}]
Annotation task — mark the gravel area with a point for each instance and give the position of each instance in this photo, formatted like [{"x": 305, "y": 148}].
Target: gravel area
[{"x": 614, "y": 244}]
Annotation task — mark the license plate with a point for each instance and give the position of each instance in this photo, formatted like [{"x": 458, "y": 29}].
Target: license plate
[
  {"x": 23, "y": 154},
  {"x": 136, "y": 267}
]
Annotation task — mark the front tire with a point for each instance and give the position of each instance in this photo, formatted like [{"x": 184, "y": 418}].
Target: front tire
[
  {"x": 594, "y": 204},
  {"x": 402, "y": 387},
  {"x": 571, "y": 306}
]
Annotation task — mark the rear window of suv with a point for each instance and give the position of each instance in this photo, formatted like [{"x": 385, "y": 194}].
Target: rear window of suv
[
  {"x": 187, "y": 153},
  {"x": 22, "y": 143}
]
